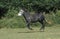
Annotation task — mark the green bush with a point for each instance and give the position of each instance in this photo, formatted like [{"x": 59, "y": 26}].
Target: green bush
[{"x": 13, "y": 21}]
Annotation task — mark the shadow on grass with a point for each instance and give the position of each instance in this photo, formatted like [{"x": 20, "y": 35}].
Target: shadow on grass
[{"x": 30, "y": 31}]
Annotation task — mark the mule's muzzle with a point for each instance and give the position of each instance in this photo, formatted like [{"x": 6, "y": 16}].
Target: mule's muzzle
[{"x": 19, "y": 14}]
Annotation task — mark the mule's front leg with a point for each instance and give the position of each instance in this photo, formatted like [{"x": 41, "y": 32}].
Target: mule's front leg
[
  {"x": 43, "y": 26},
  {"x": 28, "y": 25}
]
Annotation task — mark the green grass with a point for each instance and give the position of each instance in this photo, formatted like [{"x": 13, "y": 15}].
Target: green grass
[{"x": 23, "y": 33}]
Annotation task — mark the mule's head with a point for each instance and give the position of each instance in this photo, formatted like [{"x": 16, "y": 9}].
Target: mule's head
[{"x": 21, "y": 12}]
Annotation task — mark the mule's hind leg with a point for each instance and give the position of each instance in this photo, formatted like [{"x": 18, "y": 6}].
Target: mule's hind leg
[
  {"x": 43, "y": 25},
  {"x": 28, "y": 25}
]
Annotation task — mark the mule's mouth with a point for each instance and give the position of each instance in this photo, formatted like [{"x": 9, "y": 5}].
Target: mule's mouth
[{"x": 19, "y": 14}]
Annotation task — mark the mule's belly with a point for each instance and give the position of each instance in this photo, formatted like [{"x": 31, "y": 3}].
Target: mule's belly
[{"x": 34, "y": 19}]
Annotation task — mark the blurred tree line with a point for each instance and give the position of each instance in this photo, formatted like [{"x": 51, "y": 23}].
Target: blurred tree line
[
  {"x": 30, "y": 4},
  {"x": 10, "y": 8}
]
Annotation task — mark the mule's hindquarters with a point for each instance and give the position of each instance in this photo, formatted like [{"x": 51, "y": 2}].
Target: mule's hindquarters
[{"x": 42, "y": 21}]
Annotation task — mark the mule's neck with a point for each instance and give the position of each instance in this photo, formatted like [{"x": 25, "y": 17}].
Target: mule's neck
[{"x": 26, "y": 15}]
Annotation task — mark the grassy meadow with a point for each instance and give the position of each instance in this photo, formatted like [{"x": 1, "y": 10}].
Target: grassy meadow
[{"x": 23, "y": 33}]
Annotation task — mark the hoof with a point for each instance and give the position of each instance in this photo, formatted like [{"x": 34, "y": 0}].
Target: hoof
[
  {"x": 41, "y": 30},
  {"x": 30, "y": 28}
]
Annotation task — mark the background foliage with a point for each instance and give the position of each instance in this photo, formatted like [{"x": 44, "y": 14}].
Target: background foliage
[{"x": 9, "y": 10}]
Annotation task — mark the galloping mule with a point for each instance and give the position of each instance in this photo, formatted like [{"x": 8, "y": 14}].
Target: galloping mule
[{"x": 37, "y": 17}]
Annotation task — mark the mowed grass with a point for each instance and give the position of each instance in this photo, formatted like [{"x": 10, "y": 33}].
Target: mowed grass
[{"x": 23, "y": 33}]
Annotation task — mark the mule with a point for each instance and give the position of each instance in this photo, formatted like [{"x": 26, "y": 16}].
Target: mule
[{"x": 37, "y": 17}]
